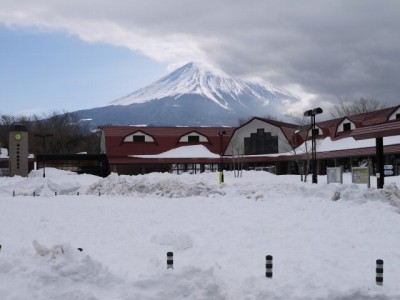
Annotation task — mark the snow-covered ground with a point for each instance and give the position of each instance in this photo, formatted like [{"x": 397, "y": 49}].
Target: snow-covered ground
[{"x": 219, "y": 234}]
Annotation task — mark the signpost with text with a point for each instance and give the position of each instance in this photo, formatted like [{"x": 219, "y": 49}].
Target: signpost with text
[{"x": 360, "y": 175}]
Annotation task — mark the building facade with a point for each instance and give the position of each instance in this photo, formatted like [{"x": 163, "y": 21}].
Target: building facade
[{"x": 259, "y": 144}]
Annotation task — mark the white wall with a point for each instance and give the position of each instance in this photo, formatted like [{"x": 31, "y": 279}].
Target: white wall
[{"x": 237, "y": 140}]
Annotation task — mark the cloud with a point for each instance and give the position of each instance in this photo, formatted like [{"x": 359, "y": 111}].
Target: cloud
[{"x": 328, "y": 49}]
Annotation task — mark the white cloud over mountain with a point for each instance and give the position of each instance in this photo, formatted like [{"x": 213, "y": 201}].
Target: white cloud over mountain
[{"x": 325, "y": 50}]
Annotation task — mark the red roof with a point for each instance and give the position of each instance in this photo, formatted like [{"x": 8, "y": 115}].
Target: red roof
[
  {"x": 168, "y": 138},
  {"x": 165, "y": 139}
]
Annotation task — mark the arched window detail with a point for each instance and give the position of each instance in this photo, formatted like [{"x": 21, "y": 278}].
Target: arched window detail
[{"x": 139, "y": 137}]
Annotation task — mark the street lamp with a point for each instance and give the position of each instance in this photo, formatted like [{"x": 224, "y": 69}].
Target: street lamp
[
  {"x": 311, "y": 113},
  {"x": 221, "y": 156},
  {"x": 43, "y": 137}
]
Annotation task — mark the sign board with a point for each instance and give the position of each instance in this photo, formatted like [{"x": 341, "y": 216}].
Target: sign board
[
  {"x": 360, "y": 175},
  {"x": 388, "y": 172},
  {"x": 388, "y": 167},
  {"x": 4, "y": 172},
  {"x": 334, "y": 175}
]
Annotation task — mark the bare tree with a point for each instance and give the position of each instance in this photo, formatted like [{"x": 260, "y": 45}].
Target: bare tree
[
  {"x": 346, "y": 108},
  {"x": 69, "y": 134},
  {"x": 236, "y": 149},
  {"x": 6, "y": 122}
]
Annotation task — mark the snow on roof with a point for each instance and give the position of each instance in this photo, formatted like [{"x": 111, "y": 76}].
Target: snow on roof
[
  {"x": 350, "y": 143},
  {"x": 192, "y": 151},
  {"x": 3, "y": 153}
]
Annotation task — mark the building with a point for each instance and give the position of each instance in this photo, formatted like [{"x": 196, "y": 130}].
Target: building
[
  {"x": 137, "y": 150},
  {"x": 259, "y": 144}
]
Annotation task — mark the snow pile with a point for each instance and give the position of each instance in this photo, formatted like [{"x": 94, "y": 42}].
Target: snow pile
[
  {"x": 167, "y": 185},
  {"x": 59, "y": 272}
]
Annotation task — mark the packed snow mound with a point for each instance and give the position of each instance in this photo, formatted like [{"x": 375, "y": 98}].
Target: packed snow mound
[
  {"x": 167, "y": 186},
  {"x": 355, "y": 193},
  {"x": 55, "y": 182},
  {"x": 57, "y": 272}
]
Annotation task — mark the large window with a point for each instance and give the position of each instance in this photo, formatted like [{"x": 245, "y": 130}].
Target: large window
[{"x": 261, "y": 142}]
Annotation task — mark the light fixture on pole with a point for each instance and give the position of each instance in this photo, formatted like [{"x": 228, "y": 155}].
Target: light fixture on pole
[
  {"x": 312, "y": 113},
  {"x": 43, "y": 137},
  {"x": 221, "y": 156}
]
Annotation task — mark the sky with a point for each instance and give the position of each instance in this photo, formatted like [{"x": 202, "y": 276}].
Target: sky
[{"x": 71, "y": 55}]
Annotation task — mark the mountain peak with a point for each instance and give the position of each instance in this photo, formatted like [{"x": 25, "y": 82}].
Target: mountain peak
[
  {"x": 194, "y": 95},
  {"x": 198, "y": 79}
]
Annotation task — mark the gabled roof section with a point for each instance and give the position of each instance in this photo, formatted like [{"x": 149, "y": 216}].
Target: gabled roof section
[
  {"x": 377, "y": 117},
  {"x": 340, "y": 130},
  {"x": 166, "y": 139},
  {"x": 393, "y": 115},
  {"x": 130, "y": 137},
  {"x": 202, "y": 137},
  {"x": 288, "y": 129}
]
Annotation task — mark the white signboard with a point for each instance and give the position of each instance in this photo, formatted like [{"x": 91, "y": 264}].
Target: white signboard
[
  {"x": 334, "y": 175},
  {"x": 360, "y": 175}
]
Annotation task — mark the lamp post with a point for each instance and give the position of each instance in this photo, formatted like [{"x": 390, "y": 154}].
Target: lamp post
[
  {"x": 221, "y": 156},
  {"x": 43, "y": 137},
  {"x": 312, "y": 113}
]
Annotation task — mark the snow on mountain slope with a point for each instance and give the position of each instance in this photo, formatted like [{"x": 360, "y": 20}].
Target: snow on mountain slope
[{"x": 194, "y": 78}]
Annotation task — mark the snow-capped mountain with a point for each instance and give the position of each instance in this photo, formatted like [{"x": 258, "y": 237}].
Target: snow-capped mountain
[
  {"x": 193, "y": 95},
  {"x": 194, "y": 78}
]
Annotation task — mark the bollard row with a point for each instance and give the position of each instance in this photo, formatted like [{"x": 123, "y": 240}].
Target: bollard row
[
  {"x": 55, "y": 194},
  {"x": 269, "y": 266}
]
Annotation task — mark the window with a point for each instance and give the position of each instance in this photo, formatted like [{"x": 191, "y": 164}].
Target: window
[
  {"x": 315, "y": 132},
  {"x": 346, "y": 126},
  {"x": 261, "y": 142},
  {"x": 397, "y": 116},
  {"x": 138, "y": 138},
  {"x": 193, "y": 139}
]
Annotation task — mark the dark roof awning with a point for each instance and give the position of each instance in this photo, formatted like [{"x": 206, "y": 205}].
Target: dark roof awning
[{"x": 376, "y": 131}]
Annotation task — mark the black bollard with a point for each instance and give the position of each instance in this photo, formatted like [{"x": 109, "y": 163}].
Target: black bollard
[
  {"x": 170, "y": 260},
  {"x": 13, "y": 193},
  {"x": 379, "y": 272},
  {"x": 268, "y": 266}
]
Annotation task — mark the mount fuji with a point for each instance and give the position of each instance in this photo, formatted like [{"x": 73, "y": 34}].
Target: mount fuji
[{"x": 193, "y": 96}]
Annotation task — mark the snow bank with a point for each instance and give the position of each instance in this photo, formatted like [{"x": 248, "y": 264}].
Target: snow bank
[{"x": 166, "y": 185}]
